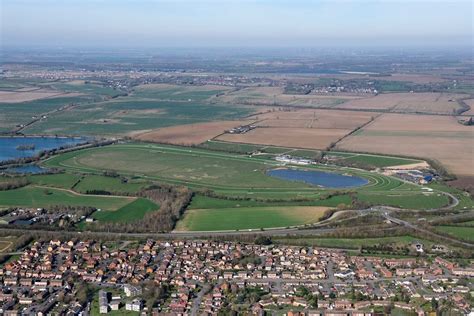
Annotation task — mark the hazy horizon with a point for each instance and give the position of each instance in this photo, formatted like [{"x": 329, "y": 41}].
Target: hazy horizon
[{"x": 232, "y": 23}]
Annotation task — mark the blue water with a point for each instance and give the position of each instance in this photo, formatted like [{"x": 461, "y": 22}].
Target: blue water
[
  {"x": 33, "y": 169},
  {"x": 8, "y": 145},
  {"x": 320, "y": 178}
]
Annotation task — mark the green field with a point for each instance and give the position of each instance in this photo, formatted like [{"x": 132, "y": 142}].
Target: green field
[
  {"x": 110, "y": 184},
  {"x": 465, "y": 200},
  {"x": 204, "y": 202},
  {"x": 127, "y": 114},
  {"x": 176, "y": 93},
  {"x": 33, "y": 196},
  {"x": 372, "y": 161},
  {"x": 90, "y": 88},
  {"x": 128, "y": 213},
  {"x": 13, "y": 114},
  {"x": 230, "y": 174},
  {"x": 193, "y": 167},
  {"x": 248, "y": 217},
  {"x": 60, "y": 180},
  {"x": 231, "y": 147},
  {"x": 249, "y": 198},
  {"x": 410, "y": 201},
  {"x": 465, "y": 233}
]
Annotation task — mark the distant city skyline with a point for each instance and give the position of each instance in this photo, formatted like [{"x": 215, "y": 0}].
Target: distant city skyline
[{"x": 232, "y": 23}]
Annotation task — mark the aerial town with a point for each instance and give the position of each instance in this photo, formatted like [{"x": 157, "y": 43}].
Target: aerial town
[
  {"x": 192, "y": 277},
  {"x": 236, "y": 158}
]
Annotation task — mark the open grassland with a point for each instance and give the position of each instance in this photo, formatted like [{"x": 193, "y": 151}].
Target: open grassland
[
  {"x": 374, "y": 161},
  {"x": 465, "y": 233},
  {"x": 193, "y": 167},
  {"x": 439, "y": 103},
  {"x": 465, "y": 200},
  {"x": 34, "y": 196},
  {"x": 133, "y": 211},
  {"x": 409, "y": 201},
  {"x": 249, "y": 217},
  {"x": 191, "y": 134},
  {"x": 60, "y": 180},
  {"x": 348, "y": 243},
  {"x": 233, "y": 175},
  {"x": 435, "y": 137},
  {"x": 205, "y": 202},
  {"x": 355, "y": 159},
  {"x": 231, "y": 147},
  {"x": 110, "y": 184}
]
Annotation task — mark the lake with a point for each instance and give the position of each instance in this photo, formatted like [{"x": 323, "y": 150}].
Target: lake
[
  {"x": 319, "y": 178},
  {"x": 21, "y": 147}
]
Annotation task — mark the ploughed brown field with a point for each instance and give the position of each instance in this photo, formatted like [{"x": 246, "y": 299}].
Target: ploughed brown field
[
  {"x": 24, "y": 96},
  {"x": 463, "y": 182},
  {"x": 315, "y": 129},
  {"x": 437, "y": 103},
  {"x": 440, "y": 138},
  {"x": 313, "y": 138},
  {"x": 320, "y": 119},
  {"x": 191, "y": 134}
]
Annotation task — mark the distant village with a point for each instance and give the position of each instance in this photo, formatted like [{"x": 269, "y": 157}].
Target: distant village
[{"x": 178, "y": 277}]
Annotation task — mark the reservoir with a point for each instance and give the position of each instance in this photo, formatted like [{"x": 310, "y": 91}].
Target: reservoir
[
  {"x": 318, "y": 178},
  {"x": 21, "y": 147}
]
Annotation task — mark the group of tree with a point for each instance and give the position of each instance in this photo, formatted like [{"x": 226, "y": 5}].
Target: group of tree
[
  {"x": 173, "y": 201},
  {"x": 13, "y": 183}
]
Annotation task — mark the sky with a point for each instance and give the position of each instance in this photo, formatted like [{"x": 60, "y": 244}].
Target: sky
[{"x": 236, "y": 23}]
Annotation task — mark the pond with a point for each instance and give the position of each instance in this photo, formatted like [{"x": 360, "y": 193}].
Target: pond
[
  {"x": 29, "y": 146},
  {"x": 319, "y": 178}
]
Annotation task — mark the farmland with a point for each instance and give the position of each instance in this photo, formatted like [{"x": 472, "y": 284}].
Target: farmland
[
  {"x": 130, "y": 212},
  {"x": 128, "y": 115},
  {"x": 147, "y": 108},
  {"x": 275, "y": 96},
  {"x": 170, "y": 92},
  {"x": 439, "y": 103},
  {"x": 12, "y": 114},
  {"x": 249, "y": 217},
  {"x": 191, "y": 134},
  {"x": 465, "y": 233},
  {"x": 25, "y": 96},
  {"x": 437, "y": 137},
  {"x": 109, "y": 184},
  {"x": 298, "y": 137},
  {"x": 312, "y": 129}
]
